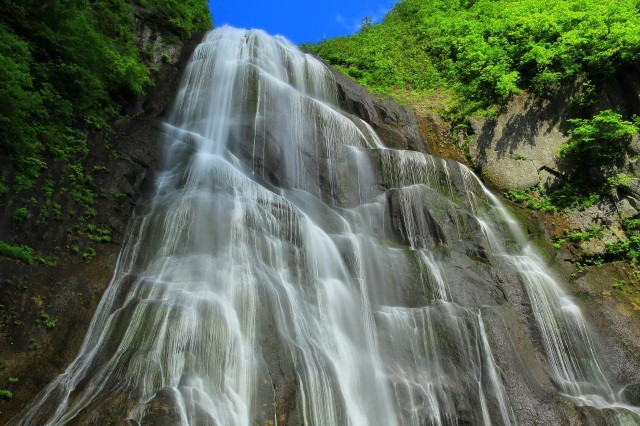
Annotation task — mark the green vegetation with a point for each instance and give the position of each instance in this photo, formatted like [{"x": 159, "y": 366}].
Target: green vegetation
[
  {"x": 570, "y": 195},
  {"x": 600, "y": 141},
  {"x": 99, "y": 235},
  {"x": 182, "y": 18},
  {"x": 67, "y": 68},
  {"x": 535, "y": 199},
  {"x": 618, "y": 285},
  {"x": 18, "y": 252},
  {"x": 6, "y": 395},
  {"x": 34, "y": 345},
  {"x": 578, "y": 236},
  {"x": 484, "y": 51},
  {"x": 88, "y": 255},
  {"x": 594, "y": 145},
  {"x": 20, "y": 215},
  {"x": 47, "y": 320},
  {"x": 629, "y": 248}
]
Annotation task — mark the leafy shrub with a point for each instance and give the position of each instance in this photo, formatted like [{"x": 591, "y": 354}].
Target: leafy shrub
[
  {"x": 88, "y": 255},
  {"x": 20, "y": 215},
  {"x": 578, "y": 236},
  {"x": 48, "y": 321},
  {"x": 533, "y": 199},
  {"x": 99, "y": 235},
  {"x": 628, "y": 249},
  {"x": 18, "y": 252},
  {"x": 6, "y": 395},
  {"x": 596, "y": 142}
]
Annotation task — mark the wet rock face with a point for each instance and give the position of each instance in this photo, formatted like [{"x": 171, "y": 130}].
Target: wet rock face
[{"x": 395, "y": 125}]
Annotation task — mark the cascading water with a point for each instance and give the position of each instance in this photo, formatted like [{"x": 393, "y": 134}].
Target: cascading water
[{"x": 290, "y": 269}]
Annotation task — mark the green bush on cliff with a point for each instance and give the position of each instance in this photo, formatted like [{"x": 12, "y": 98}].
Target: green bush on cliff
[{"x": 596, "y": 142}]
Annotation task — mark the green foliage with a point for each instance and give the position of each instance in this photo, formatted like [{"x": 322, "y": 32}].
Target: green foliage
[
  {"x": 99, "y": 235},
  {"x": 629, "y": 248},
  {"x": 534, "y": 199},
  {"x": 619, "y": 285},
  {"x": 18, "y": 252},
  {"x": 596, "y": 142},
  {"x": 88, "y": 255},
  {"x": 570, "y": 195},
  {"x": 6, "y": 395},
  {"x": 34, "y": 344},
  {"x": 578, "y": 236},
  {"x": 488, "y": 50},
  {"x": 25, "y": 254},
  {"x": 381, "y": 57},
  {"x": 20, "y": 215},
  {"x": 67, "y": 67},
  {"x": 182, "y": 17},
  {"x": 48, "y": 321}
]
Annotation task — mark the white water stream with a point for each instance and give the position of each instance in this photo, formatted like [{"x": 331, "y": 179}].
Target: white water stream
[{"x": 291, "y": 269}]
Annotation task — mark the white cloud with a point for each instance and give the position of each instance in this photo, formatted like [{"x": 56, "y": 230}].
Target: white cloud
[{"x": 353, "y": 24}]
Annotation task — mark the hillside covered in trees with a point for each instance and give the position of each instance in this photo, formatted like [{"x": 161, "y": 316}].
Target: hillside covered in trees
[
  {"x": 68, "y": 67},
  {"x": 484, "y": 51}
]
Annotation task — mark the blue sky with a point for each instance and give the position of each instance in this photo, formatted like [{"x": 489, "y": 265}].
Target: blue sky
[{"x": 298, "y": 20}]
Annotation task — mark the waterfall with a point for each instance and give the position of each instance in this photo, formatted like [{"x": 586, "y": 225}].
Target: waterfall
[{"x": 291, "y": 269}]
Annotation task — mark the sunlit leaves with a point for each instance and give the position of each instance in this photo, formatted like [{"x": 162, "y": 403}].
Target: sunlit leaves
[{"x": 488, "y": 50}]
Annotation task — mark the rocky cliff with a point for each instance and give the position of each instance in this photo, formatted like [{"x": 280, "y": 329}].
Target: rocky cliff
[
  {"x": 46, "y": 307},
  {"x": 517, "y": 152}
]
